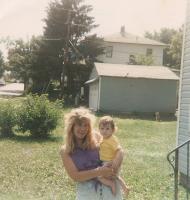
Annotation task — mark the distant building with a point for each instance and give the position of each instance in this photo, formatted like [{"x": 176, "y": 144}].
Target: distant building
[{"x": 123, "y": 48}]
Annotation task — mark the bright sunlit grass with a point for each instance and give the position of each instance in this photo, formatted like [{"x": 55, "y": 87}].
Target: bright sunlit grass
[{"x": 32, "y": 169}]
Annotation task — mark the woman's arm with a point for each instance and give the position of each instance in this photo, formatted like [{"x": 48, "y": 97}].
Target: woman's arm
[{"x": 77, "y": 175}]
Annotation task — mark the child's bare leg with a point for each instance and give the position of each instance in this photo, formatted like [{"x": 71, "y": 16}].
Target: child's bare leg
[
  {"x": 124, "y": 186},
  {"x": 108, "y": 182}
]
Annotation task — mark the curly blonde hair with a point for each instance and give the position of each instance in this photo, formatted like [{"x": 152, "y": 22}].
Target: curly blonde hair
[{"x": 76, "y": 116}]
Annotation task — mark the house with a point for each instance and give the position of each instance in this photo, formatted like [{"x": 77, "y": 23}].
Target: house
[
  {"x": 124, "y": 48},
  {"x": 132, "y": 88},
  {"x": 183, "y": 125}
]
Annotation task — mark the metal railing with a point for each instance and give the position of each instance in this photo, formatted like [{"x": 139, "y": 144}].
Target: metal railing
[{"x": 173, "y": 159}]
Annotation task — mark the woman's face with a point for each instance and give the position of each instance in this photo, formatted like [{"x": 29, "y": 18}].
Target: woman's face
[{"x": 81, "y": 129}]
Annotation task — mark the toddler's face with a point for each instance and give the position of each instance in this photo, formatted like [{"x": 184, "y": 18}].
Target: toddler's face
[{"x": 106, "y": 130}]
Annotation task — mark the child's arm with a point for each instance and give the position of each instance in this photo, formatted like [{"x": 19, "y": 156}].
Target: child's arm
[{"x": 116, "y": 163}]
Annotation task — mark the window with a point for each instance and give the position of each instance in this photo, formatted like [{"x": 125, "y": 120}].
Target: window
[
  {"x": 149, "y": 52},
  {"x": 132, "y": 60},
  {"x": 109, "y": 51}
]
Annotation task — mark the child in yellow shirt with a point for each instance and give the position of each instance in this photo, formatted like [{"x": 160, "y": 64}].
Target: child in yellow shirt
[{"x": 110, "y": 152}]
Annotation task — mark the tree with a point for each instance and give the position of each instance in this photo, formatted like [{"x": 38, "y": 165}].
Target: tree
[
  {"x": 91, "y": 46},
  {"x": 163, "y": 36},
  {"x": 21, "y": 59},
  {"x": 144, "y": 60},
  {"x": 173, "y": 38},
  {"x": 67, "y": 25},
  {"x": 45, "y": 67},
  {"x": 175, "y": 50},
  {"x": 1, "y": 64}
]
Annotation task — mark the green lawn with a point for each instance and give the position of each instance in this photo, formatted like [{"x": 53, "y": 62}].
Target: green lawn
[{"x": 32, "y": 169}]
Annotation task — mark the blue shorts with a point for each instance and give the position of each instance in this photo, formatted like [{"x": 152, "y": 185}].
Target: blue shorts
[{"x": 86, "y": 191}]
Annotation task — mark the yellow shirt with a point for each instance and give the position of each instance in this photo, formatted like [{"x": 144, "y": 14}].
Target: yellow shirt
[{"x": 108, "y": 148}]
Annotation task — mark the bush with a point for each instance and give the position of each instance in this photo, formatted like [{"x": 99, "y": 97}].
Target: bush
[
  {"x": 38, "y": 115},
  {"x": 8, "y": 117}
]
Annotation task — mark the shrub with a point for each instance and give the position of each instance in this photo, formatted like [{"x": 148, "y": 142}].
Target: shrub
[
  {"x": 38, "y": 115},
  {"x": 8, "y": 117}
]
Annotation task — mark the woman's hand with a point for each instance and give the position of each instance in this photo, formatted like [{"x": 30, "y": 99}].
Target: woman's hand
[{"x": 106, "y": 171}]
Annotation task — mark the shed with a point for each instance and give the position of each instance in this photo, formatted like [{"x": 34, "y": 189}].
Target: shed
[{"x": 132, "y": 88}]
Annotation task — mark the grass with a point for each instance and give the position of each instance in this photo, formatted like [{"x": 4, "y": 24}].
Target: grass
[
  {"x": 32, "y": 169},
  {"x": 145, "y": 167}
]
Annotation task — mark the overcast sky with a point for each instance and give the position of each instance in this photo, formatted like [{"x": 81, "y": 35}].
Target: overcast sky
[{"x": 22, "y": 18}]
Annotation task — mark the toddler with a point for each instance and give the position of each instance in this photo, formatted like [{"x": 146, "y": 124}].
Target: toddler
[{"x": 110, "y": 152}]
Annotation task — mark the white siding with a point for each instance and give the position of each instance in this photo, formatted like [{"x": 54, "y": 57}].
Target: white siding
[
  {"x": 183, "y": 130},
  {"x": 94, "y": 95},
  {"x": 121, "y": 53},
  {"x": 93, "y": 74}
]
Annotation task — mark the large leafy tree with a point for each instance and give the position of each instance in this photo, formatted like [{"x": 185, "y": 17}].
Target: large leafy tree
[
  {"x": 175, "y": 50},
  {"x": 22, "y": 58},
  {"x": 46, "y": 64},
  {"x": 66, "y": 28},
  {"x": 31, "y": 60},
  {"x": 173, "y": 38}
]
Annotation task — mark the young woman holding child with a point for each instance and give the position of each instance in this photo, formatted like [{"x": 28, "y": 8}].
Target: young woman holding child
[{"x": 80, "y": 156}]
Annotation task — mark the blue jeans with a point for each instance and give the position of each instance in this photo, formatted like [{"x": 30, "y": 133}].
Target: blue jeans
[{"x": 86, "y": 191}]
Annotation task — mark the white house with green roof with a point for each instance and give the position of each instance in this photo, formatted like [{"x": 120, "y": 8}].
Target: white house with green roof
[{"x": 123, "y": 48}]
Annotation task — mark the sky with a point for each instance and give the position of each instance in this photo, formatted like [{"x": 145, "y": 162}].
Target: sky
[{"x": 24, "y": 18}]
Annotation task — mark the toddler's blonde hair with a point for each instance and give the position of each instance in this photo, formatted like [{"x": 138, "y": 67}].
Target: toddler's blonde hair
[{"x": 107, "y": 120}]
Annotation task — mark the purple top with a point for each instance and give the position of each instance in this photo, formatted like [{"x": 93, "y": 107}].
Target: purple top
[{"x": 86, "y": 159}]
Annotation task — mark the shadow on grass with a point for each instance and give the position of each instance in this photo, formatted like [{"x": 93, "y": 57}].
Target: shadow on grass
[
  {"x": 31, "y": 139},
  {"x": 164, "y": 117}
]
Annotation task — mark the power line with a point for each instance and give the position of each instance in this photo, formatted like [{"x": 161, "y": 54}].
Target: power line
[{"x": 56, "y": 39}]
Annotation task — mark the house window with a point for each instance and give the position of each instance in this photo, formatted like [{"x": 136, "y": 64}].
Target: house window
[
  {"x": 132, "y": 60},
  {"x": 149, "y": 52},
  {"x": 109, "y": 51}
]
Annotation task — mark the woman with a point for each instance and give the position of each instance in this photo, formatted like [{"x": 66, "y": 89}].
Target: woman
[{"x": 81, "y": 158}]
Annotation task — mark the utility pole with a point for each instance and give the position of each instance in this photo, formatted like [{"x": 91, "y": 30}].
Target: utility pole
[{"x": 66, "y": 51}]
